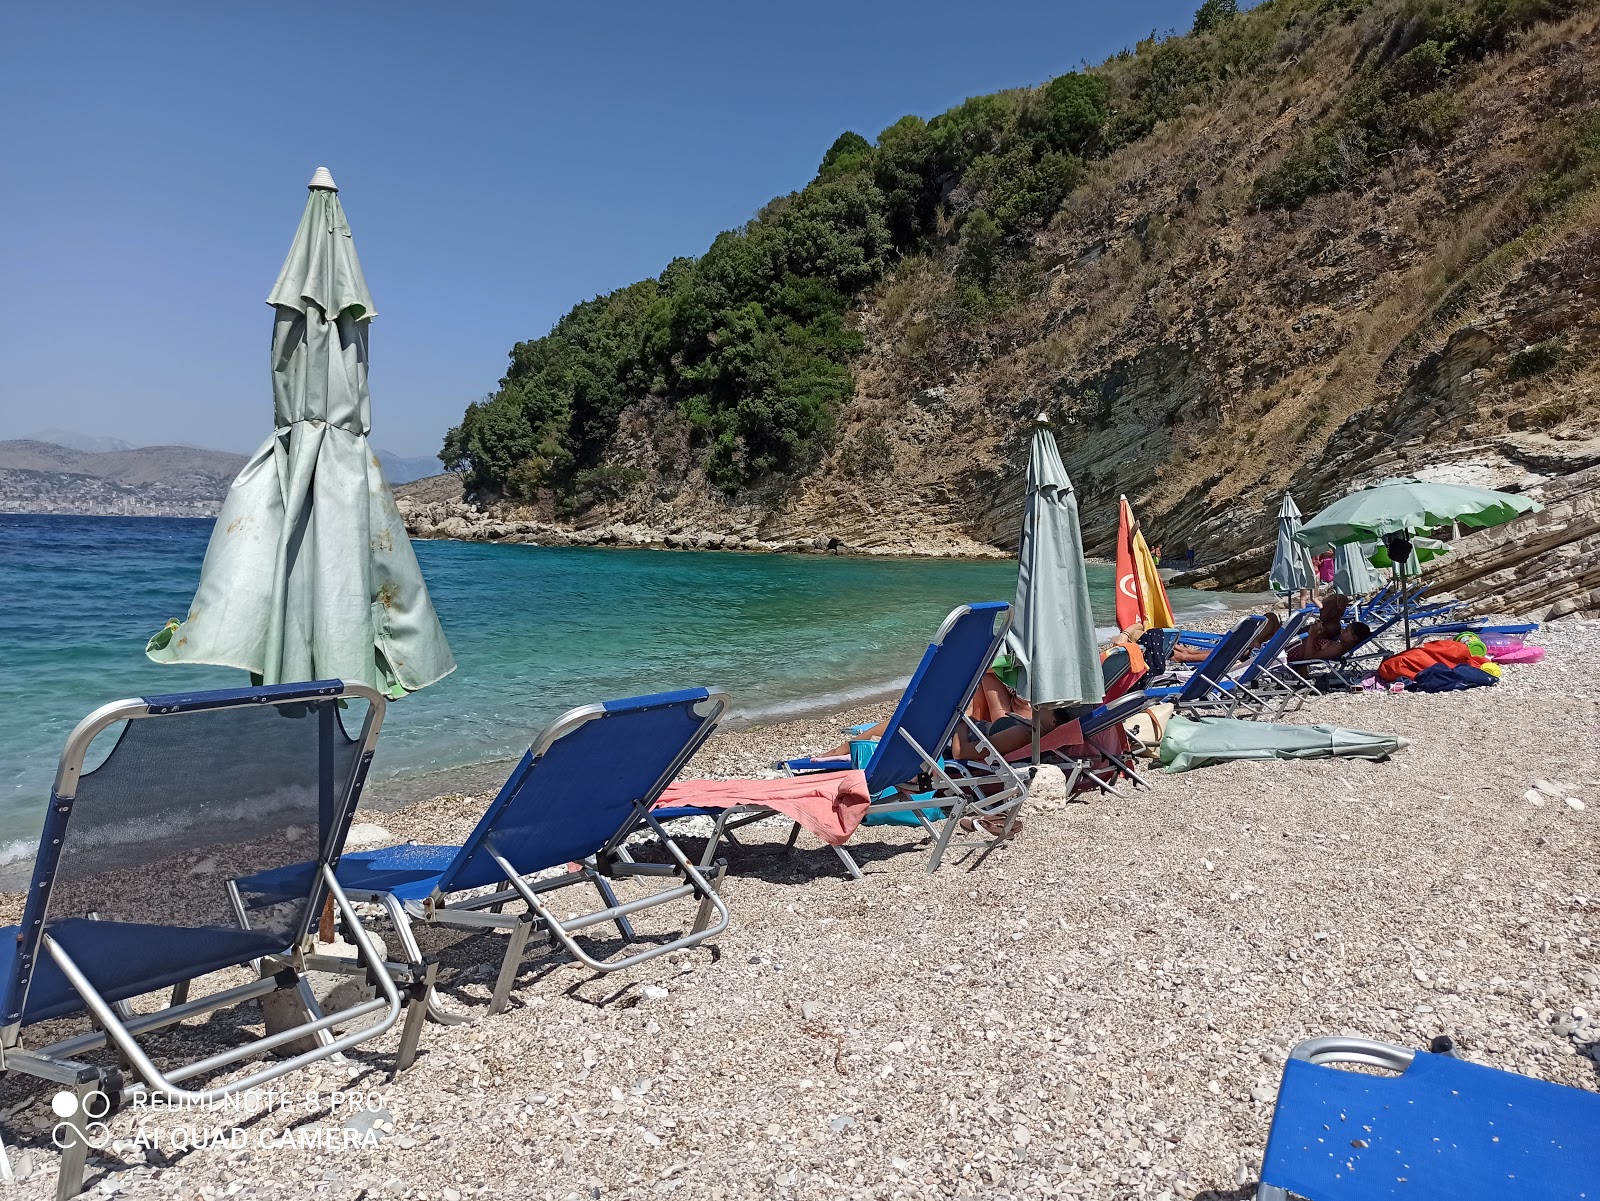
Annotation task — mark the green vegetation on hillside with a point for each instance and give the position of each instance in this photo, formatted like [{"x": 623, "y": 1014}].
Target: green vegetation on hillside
[{"x": 750, "y": 344}]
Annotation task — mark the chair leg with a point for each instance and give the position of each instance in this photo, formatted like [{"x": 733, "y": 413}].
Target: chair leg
[
  {"x": 416, "y": 1017},
  {"x": 72, "y": 1135},
  {"x": 515, "y": 944},
  {"x": 849, "y": 863},
  {"x": 794, "y": 834},
  {"x": 609, "y": 896},
  {"x": 702, "y": 917}
]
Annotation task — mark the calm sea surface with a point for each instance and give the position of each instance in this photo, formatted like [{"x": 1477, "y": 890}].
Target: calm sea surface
[{"x": 534, "y": 630}]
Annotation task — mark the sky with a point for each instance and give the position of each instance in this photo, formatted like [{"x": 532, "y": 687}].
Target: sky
[{"x": 498, "y": 164}]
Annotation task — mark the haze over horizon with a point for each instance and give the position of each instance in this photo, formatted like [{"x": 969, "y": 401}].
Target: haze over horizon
[{"x": 497, "y": 168}]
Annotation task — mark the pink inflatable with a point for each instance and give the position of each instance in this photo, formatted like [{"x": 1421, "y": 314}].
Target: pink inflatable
[{"x": 1516, "y": 653}]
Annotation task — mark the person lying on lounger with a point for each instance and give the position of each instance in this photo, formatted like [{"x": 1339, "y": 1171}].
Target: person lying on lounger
[
  {"x": 1185, "y": 653},
  {"x": 1330, "y": 637}
]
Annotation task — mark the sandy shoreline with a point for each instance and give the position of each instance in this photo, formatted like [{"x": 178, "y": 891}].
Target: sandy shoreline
[{"x": 1099, "y": 1011}]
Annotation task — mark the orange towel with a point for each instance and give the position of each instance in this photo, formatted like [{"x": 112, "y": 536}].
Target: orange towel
[{"x": 830, "y": 804}]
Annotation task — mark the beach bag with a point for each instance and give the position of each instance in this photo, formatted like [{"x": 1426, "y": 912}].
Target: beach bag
[
  {"x": 1473, "y": 643},
  {"x": 1148, "y": 727}
]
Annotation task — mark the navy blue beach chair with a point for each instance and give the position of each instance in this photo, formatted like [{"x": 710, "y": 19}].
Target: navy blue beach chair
[
  {"x": 1267, "y": 684},
  {"x": 1442, "y": 1130},
  {"x": 158, "y": 806},
  {"x": 584, "y": 787},
  {"x": 1208, "y": 690},
  {"x": 909, "y": 772}
]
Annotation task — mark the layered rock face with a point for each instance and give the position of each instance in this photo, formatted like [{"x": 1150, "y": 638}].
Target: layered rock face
[{"x": 1543, "y": 565}]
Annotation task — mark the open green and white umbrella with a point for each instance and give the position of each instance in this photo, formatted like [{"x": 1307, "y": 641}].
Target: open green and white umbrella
[
  {"x": 1406, "y": 504},
  {"x": 309, "y": 573},
  {"x": 1052, "y": 623},
  {"x": 1399, "y": 507},
  {"x": 1292, "y": 569}
]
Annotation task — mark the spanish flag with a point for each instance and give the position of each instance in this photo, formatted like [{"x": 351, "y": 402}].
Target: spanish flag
[{"x": 1141, "y": 596}]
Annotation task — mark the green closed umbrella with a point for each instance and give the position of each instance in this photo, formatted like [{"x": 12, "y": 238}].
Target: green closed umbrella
[
  {"x": 1394, "y": 509},
  {"x": 1292, "y": 569},
  {"x": 309, "y": 573},
  {"x": 1352, "y": 573},
  {"x": 1052, "y": 624},
  {"x": 1187, "y": 744}
]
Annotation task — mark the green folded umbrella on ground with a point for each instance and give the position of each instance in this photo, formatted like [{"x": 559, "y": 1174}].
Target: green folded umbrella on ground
[
  {"x": 1187, "y": 744},
  {"x": 309, "y": 573}
]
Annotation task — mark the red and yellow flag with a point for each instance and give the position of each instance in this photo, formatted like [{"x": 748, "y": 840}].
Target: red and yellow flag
[{"x": 1141, "y": 596}]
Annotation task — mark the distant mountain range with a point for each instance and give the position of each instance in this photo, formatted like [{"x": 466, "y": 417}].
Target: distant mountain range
[{"x": 106, "y": 476}]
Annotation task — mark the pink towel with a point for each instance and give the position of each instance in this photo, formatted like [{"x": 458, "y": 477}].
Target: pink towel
[{"x": 830, "y": 804}]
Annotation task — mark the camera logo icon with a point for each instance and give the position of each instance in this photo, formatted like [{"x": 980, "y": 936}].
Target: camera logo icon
[{"x": 88, "y": 1127}]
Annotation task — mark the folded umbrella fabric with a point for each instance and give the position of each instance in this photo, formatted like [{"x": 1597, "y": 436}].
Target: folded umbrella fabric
[
  {"x": 829, "y": 804},
  {"x": 1189, "y": 743}
]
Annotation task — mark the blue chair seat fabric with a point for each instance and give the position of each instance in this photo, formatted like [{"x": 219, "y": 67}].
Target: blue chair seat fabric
[
  {"x": 128, "y": 959},
  {"x": 1443, "y": 1129}
]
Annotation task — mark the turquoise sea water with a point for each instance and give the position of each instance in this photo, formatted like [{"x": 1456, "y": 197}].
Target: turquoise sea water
[{"x": 535, "y": 631}]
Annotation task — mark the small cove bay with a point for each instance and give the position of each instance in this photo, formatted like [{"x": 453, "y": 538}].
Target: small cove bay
[{"x": 534, "y": 630}]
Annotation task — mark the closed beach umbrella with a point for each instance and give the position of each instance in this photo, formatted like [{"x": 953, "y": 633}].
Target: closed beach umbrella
[
  {"x": 1292, "y": 568},
  {"x": 1187, "y": 744},
  {"x": 1398, "y": 507},
  {"x": 309, "y": 573},
  {"x": 1352, "y": 573},
  {"x": 1141, "y": 593},
  {"x": 1052, "y": 625}
]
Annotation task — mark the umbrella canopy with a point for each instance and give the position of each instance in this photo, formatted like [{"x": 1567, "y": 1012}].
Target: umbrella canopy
[
  {"x": 1423, "y": 550},
  {"x": 1396, "y": 506},
  {"x": 1052, "y": 625},
  {"x": 1292, "y": 568},
  {"x": 1187, "y": 744},
  {"x": 309, "y": 573},
  {"x": 1352, "y": 574},
  {"x": 1141, "y": 594}
]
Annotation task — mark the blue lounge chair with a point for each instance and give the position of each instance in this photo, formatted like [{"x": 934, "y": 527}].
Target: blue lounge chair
[
  {"x": 583, "y": 788},
  {"x": 908, "y": 773},
  {"x": 1267, "y": 684},
  {"x": 1442, "y": 1130},
  {"x": 133, "y": 893},
  {"x": 1208, "y": 690}
]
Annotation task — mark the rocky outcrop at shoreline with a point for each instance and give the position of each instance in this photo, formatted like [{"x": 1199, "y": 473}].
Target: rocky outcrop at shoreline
[{"x": 439, "y": 510}]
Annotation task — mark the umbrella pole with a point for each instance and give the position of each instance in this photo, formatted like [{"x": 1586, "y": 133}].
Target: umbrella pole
[
  {"x": 1405, "y": 602},
  {"x": 1036, "y": 740}
]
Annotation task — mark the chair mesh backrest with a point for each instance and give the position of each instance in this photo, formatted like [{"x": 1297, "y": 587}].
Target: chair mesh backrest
[
  {"x": 186, "y": 802},
  {"x": 581, "y": 790},
  {"x": 1218, "y": 663},
  {"x": 938, "y": 693},
  {"x": 1272, "y": 647}
]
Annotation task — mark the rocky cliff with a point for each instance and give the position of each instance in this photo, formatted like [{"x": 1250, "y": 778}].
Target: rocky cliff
[{"x": 1433, "y": 313}]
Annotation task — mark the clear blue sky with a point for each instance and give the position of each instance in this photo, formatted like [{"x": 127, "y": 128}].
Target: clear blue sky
[{"x": 498, "y": 162}]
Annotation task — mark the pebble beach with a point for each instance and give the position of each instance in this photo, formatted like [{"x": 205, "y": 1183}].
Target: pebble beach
[{"x": 1100, "y": 1009}]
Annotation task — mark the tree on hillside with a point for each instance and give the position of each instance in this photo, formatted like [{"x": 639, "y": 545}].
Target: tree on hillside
[{"x": 1214, "y": 13}]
